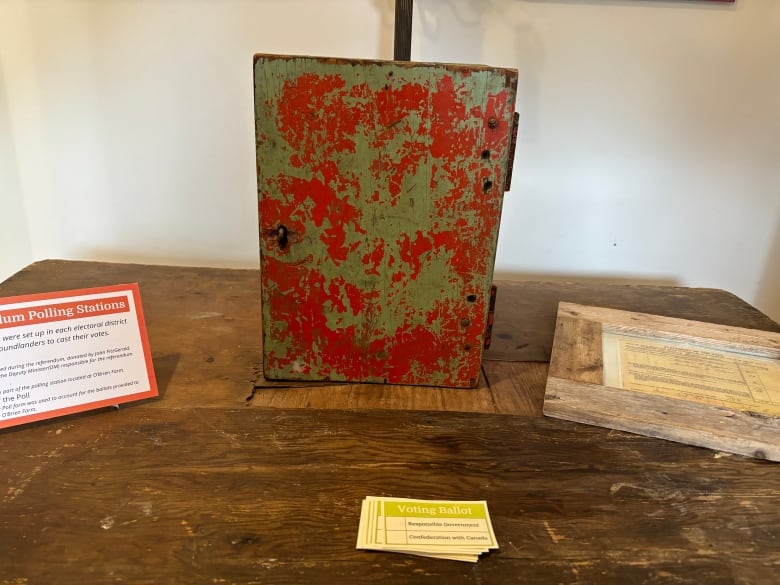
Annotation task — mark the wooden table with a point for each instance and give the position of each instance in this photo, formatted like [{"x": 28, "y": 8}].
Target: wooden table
[{"x": 229, "y": 478}]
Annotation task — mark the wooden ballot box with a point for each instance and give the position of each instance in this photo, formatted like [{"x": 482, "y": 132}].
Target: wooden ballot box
[{"x": 380, "y": 186}]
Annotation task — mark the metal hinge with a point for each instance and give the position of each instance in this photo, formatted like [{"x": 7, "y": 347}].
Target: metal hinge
[
  {"x": 491, "y": 311},
  {"x": 510, "y": 163}
]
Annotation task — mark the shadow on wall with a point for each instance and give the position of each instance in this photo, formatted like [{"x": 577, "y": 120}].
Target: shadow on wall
[
  {"x": 586, "y": 279},
  {"x": 122, "y": 256},
  {"x": 768, "y": 295}
]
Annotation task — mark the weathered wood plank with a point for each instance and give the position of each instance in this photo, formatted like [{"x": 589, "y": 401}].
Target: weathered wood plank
[
  {"x": 577, "y": 350},
  {"x": 731, "y": 338},
  {"x": 703, "y": 412},
  {"x": 667, "y": 418},
  {"x": 200, "y": 495}
]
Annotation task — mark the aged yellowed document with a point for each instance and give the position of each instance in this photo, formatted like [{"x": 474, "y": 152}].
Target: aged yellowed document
[{"x": 692, "y": 372}]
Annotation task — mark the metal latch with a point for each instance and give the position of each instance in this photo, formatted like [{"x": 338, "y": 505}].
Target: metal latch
[
  {"x": 510, "y": 163},
  {"x": 491, "y": 311}
]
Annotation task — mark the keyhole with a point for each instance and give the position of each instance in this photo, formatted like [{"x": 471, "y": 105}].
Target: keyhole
[{"x": 281, "y": 237}]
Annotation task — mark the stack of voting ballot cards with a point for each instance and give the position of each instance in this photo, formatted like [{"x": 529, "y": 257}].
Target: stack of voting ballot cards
[{"x": 456, "y": 530}]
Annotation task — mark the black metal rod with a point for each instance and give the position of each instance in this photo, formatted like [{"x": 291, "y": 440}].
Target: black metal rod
[{"x": 402, "y": 49}]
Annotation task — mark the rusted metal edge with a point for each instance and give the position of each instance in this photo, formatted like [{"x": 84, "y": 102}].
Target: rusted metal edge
[
  {"x": 510, "y": 160},
  {"x": 490, "y": 316}
]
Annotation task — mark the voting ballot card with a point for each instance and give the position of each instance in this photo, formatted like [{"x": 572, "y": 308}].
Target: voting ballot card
[{"x": 446, "y": 529}]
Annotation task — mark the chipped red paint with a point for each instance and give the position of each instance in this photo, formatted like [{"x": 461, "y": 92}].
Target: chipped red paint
[
  {"x": 373, "y": 258},
  {"x": 388, "y": 180}
]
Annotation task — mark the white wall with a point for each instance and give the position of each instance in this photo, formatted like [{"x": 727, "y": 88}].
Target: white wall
[
  {"x": 15, "y": 247},
  {"x": 14, "y": 234},
  {"x": 649, "y": 146}
]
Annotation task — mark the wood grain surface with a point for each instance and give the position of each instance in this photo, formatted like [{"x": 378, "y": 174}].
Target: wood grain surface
[
  {"x": 228, "y": 478},
  {"x": 205, "y": 495}
]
